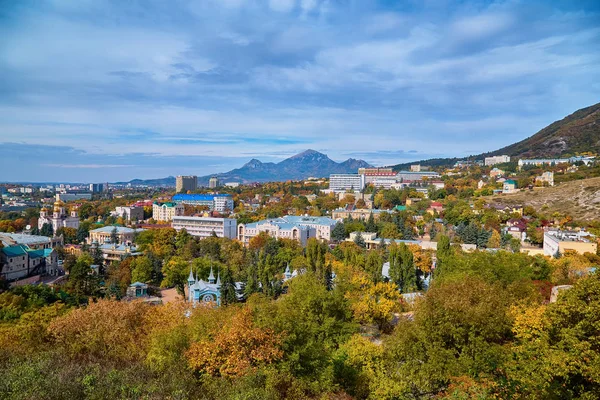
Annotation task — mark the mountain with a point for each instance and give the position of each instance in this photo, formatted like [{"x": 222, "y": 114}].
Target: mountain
[
  {"x": 576, "y": 133},
  {"x": 301, "y": 166}
]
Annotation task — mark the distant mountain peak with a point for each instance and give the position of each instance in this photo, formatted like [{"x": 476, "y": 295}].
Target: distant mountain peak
[
  {"x": 254, "y": 163},
  {"x": 310, "y": 153}
]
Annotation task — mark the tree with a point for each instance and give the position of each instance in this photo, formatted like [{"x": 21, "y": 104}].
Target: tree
[
  {"x": 359, "y": 240},
  {"x": 47, "y": 230},
  {"x": 402, "y": 269},
  {"x": 373, "y": 265},
  {"x": 443, "y": 254},
  {"x": 141, "y": 270},
  {"x": 236, "y": 349},
  {"x": 338, "y": 233},
  {"x": 228, "y": 292},
  {"x": 114, "y": 236},
  {"x": 371, "y": 226},
  {"x": 176, "y": 272},
  {"x": 82, "y": 234}
]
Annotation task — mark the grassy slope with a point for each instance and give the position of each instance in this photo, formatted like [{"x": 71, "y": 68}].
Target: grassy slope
[{"x": 580, "y": 199}]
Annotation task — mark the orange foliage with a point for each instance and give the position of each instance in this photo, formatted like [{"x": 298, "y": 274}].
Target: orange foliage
[{"x": 237, "y": 349}]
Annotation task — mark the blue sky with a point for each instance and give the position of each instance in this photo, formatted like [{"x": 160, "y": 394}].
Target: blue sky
[{"x": 114, "y": 90}]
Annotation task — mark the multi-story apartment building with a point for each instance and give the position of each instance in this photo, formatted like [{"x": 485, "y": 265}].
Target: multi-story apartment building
[
  {"x": 21, "y": 261},
  {"x": 299, "y": 228},
  {"x": 214, "y": 202},
  {"x": 557, "y": 241},
  {"x": 546, "y": 177},
  {"x": 166, "y": 211},
  {"x": 357, "y": 213},
  {"x": 185, "y": 183},
  {"x": 204, "y": 227},
  {"x": 555, "y": 161},
  {"x": 213, "y": 182},
  {"x": 342, "y": 182},
  {"x": 489, "y": 161}
]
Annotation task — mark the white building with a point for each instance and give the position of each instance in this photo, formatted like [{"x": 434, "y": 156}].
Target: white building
[
  {"x": 416, "y": 176},
  {"x": 213, "y": 182},
  {"x": 21, "y": 261},
  {"x": 214, "y": 202},
  {"x": 59, "y": 217},
  {"x": 547, "y": 177},
  {"x": 204, "y": 227},
  {"x": 384, "y": 183},
  {"x": 496, "y": 160},
  {"x": 555, "y": 161},
  {"x": 343, "y": 182},
  {"x": 129, "y": 213},
  {"x": 557, "y": 241},
  {"x": 299, "y": 228},
  {"x": 166, "y": 211}
]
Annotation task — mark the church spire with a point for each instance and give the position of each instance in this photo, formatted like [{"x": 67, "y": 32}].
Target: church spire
[
  {"x": 218, "y": 278},
  {"x": 191, "y": 277}
]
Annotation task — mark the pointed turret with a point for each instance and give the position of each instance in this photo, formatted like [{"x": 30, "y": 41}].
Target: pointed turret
[
  {"x": 287, "y": 273},
  {"x": 211, "y": 277},
  {"x": 218, "y": 279},
  {"x": 191, "y": 277}
]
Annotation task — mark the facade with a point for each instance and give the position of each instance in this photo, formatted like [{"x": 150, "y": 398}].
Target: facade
[
  {"x": 185, "y": 183},
  {"x": 215, "y": 202},
  {"x": 416, "y": 176},
  {"x": 496, "y": 172},
  {"x": 509, "y": 186},
  {"x": 360, "y": 213},
  {"x": 21, "y": 261},
  {"x": 232, "y": 184},
  {"x": 555, "y": 161},
  {"x": 289, "y": 227},
  {"x": 343, "y": 182},
  {"x": 561, "y": 241},
  {"x": 204, "y": 292},
  {"x": 118, "y": 252},
  {"x": 373, "y": 242},
  {"x": 130, "y": 213},
  {"x": 204, "y": 227},
  {"x": 98, "y": 187},
  {"x": 59, "y": 217},
  {"x": 126, "y": 236},
  {"x": 496, "y": 160},
  {"x": 384, "y": 183},
  {"x": 73, "y": 196},
  {"x": 213, "y": 182},
  {"x": 415, "y": 168},
  {"x": 166, "y": 211},
  {"x": 546, "y": 177}
]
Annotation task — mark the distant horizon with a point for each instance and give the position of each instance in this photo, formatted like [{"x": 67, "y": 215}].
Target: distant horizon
[{"x": 114, "y": 91}]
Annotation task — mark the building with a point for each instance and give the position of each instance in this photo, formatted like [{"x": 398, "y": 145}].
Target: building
[
  {"x": 98, "y": 187},
  {"x": 21, "y": 261},
  {"x": 557, "y": 241},
  {"x": 213, "y": 182},
  {"x": 416, "y": 176},
  {"x": 384, "y": 183},
  {"x": 555, "y": 161},
  {"x": 214, "y": 202},
  {"x": 496, "y": 172},
  {"x": 546, "y": 177},
  {"x": 415, "y": 168},
  {"x": 204, "y": 227},
  {"x": 129, "y": 213},
  {"x": 32, "y": 241},
  {"x": 509, "y": 186},
  {"x": 343, "y": 182},
  {"x": 118, "y": 252},
  {"x": 125, "y": 236},
  {"x": 200, "y": 291},
  {"x": 373, "y": 242},
  {"x": 185, "y": 183},
  {"x": 375, "y": 171},
  {"x": 59, "y": 217},
  {"x": 357, "y": 213},
  {"x": 64, "y": 197},
  {"x": 300, "y": 228},
  {"x": 232, "y": 184},
  {"x": 166, "y": 211},
  {"x": 489, "y": 161}
]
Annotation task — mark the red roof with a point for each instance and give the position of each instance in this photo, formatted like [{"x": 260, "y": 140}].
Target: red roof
[{"x": 436, "y": 204}]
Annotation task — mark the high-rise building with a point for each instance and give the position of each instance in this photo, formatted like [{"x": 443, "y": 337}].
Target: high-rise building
[
  {"x": 96, "y": 187},
  {"x": 185, "y": 183},
  {"x": 341, "y": 182},
  {"x": 213, "y": 182},
  {"x": 496, "y": 160},
  {"x": 214, "y": 202}
]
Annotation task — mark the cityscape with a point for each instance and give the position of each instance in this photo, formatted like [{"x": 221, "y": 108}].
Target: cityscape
[{"x": 300, "y": 199}]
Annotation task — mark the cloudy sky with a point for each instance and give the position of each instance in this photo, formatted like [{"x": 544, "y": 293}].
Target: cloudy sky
[{"x": 96, "y": 90}]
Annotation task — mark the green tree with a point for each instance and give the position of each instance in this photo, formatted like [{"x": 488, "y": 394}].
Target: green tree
[
  {"x": 338, "y": 232},
  {"x": 114, "y": 236},
  {"x": 359, "y": 240},
  {"x": 47, "y": 230},
  {"x": 141, "y": 269},
  {"x": 402, "y": 269}
]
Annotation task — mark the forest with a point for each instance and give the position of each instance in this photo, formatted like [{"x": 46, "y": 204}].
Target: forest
[{"x": 479, "y": 327}]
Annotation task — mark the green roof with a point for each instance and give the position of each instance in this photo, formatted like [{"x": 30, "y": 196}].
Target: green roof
[
  {"x": 15, "y": 251},
  {"x": 400, "y": 208}
]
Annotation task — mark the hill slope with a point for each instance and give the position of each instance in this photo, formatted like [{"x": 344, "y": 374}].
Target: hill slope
[
  {"x": 576, "y": 133},
  {"x": 579, "y": 199}
]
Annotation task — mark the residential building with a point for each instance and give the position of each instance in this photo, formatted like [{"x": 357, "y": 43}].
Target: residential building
[
  {"x": 59, "y": 217},
  {"x": 204, "y": 227},
  {"x": 415, "y": 168},
  {"x": 213, "y": 182},
  {"x": 166, "y": 211},
  {"x": 384, "y": 183},
  {"x": 185, "y": 183},
  {"x": 555, "y": 161},
  {"x": 496, "y": 160},
  {"x": 64, "y": 197},
  {"x": 357, "y": 213},
  {"x": 125, "y": 236},
  {"x": 373, "y": 174},
  {"x": 129, "y": 213},
  {"x": 300, "y": 228},
  {"x": 496, "y": 172},
  {"x": 343, "y": 182},
  {"x": 232, "y": 184},
  {"x": 416, "y": 176},
  {"x": 546, "y": 177},
  {"x": 98, "y": 187},
  {"x": 21, "y": 261},
  {"x": 557, "y": 241},
  {"x": 214, "y": 202},
  {"x": 509, "y": 186}
]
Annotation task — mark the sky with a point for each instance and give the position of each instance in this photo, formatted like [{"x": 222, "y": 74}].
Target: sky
[{"x": 94, "y": 91}]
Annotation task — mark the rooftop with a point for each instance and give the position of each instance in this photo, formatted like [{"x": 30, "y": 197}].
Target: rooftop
[
  {"x": 199, "y": 197},
  {"x": 120, "y": 230}
]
